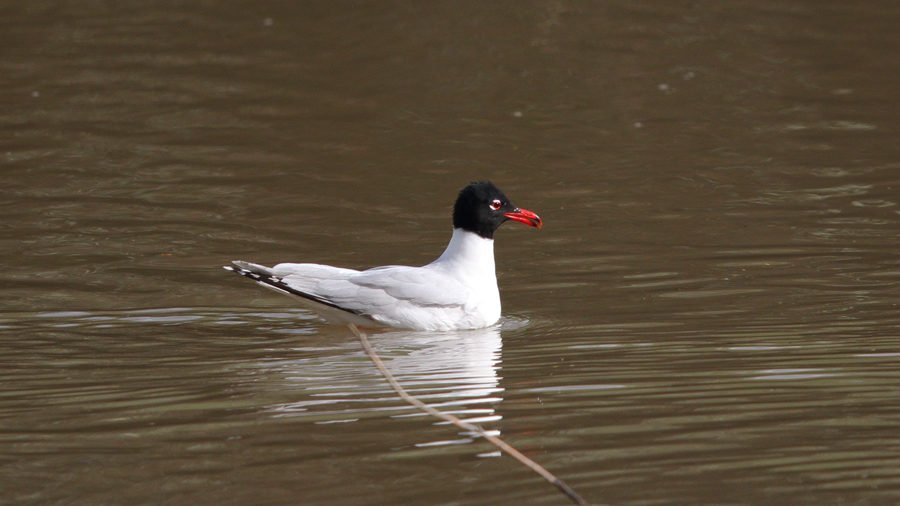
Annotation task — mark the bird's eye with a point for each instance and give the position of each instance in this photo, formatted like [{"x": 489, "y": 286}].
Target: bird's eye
[{"x": 496, "y": 204}]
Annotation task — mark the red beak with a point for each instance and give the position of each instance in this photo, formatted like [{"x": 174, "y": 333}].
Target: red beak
[{"x": 526, "y": 217}]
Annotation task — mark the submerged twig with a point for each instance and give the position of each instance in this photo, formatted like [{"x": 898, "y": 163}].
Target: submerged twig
[{"x": 561, "y": 485}]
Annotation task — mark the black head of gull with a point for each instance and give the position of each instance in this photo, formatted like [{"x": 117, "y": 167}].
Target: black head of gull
[{"x": 481, "y": 208}]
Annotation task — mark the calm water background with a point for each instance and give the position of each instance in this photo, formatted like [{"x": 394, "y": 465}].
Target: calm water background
[{"x": 710, "y": 315}]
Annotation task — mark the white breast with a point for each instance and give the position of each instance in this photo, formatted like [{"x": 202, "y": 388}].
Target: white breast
[{"x": 469, "y": 259}]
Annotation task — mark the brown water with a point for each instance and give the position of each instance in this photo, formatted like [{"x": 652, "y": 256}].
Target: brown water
[{"x": 709, "y": 316}]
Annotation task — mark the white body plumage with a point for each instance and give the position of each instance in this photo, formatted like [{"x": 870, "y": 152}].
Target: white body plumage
[{"x": 456, "y": 291}]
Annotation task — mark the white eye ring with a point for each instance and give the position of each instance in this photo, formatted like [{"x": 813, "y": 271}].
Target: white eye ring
[{"x": 496, "y": 204}]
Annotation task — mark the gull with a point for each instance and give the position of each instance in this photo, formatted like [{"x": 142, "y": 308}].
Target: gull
[{"x": 457, "y": 291}]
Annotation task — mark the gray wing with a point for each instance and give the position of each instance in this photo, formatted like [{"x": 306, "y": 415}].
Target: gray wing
[
  {"x": 396, "y": 286},
  {"x": 396, "y": 295}
]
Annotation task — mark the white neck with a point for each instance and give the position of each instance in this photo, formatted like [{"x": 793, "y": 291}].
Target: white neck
[
  {"x": 469, "y": 259},
  {"x": 469, "y": 256}
]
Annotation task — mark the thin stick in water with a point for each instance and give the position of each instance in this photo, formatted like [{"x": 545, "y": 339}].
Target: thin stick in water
[{"x": 561, "y": 485}]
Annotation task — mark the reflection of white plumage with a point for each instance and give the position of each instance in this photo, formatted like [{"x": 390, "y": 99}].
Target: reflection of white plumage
[
  {"x": 455, "y": 370},
  {"x": 463, "y": 364},
  {"x": 456, "y": 291}
]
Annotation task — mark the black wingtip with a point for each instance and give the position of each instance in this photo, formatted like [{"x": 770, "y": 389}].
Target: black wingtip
[{"x": 277, "y": 283}]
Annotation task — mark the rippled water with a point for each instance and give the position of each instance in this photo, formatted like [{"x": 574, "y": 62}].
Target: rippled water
[{"x": 709, "y": 316}]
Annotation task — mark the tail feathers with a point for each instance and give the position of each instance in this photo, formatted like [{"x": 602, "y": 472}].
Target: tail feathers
[
  {"x": 264, "y": 276},
  {"x": 251, "y": 267}
]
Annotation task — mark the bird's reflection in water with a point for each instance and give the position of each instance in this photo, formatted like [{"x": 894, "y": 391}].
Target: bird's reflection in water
[
  {"x": 465, "y": 363},
  {"x": 455, "y": 371}
]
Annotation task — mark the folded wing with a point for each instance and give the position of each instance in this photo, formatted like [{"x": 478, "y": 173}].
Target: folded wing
[{"x": 412, "y": 297}]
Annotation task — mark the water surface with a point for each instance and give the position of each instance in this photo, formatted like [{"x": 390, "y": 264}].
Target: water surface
[{"x": 709, "y": 315}]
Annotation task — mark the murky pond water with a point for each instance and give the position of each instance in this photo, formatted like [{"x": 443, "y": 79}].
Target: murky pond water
[{"x": 709, "y": 316}]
